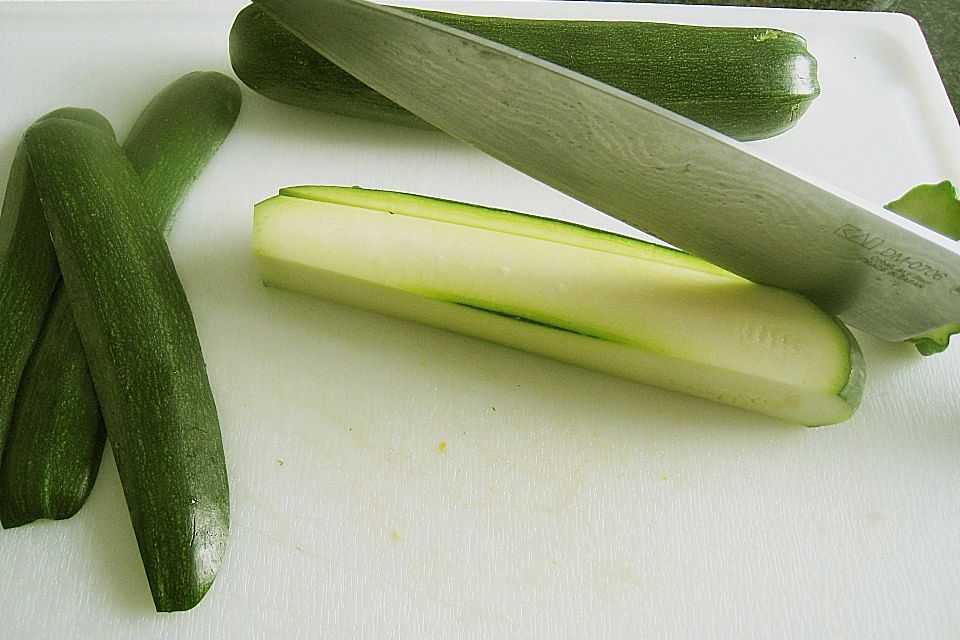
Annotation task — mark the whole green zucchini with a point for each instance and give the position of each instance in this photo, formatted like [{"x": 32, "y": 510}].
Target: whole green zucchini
[
  {"x": 748, "y": 83},
  {"x": 56, "y": 438},
  {"x": 143, "y": 352},
  {"x": 832, "y": 5},
  {"x": 28, "y": 269}
]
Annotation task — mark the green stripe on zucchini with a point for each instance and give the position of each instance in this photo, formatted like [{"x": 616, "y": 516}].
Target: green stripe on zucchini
[
  {"x": 749, "y": 83},
  {"x": 606, "y": 302}
]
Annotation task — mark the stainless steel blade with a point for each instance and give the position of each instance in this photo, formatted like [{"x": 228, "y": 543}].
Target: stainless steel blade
[{"x": 679, "y": 181}]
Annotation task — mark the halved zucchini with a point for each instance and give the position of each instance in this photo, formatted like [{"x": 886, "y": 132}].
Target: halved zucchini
[{"x": 583, "y": 296}]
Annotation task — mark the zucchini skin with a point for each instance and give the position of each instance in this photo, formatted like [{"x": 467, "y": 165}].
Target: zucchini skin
[
  {"x": 28, "y": 269},
  {"x": 54, "y": 448},
  {"x": 748, "y": 83},
  {"x": 835, "y": 5},
  {"x": 144, "y": 355},
  {"x": 56, "y": 440},
  {"x": 177, "y": 135}
]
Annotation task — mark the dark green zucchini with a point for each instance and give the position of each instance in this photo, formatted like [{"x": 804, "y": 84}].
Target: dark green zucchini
[
  {"x": 144, "y": 356},
  {"x": 833, "y": 5},
  {"x": 177, "y": 135},
  {"x": 56, "y": 439},
  {"x": 748, "y": 83},
  {"x": 28, "y": 270}
]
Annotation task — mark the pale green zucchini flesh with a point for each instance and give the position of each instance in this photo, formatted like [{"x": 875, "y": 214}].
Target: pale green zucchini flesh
[{"x": 598, "y": 300}]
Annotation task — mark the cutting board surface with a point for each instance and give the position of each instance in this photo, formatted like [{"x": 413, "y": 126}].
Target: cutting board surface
[{"x": 394, "y": 481}]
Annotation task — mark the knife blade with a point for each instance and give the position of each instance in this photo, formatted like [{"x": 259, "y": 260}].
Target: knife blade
[{"x": 679, "y": 181}]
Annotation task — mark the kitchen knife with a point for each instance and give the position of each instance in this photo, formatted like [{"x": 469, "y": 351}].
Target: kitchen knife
[{"x": 692, "y": 187}]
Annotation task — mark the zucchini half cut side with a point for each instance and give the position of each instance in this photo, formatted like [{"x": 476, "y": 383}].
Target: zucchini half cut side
[{"x": 591, "y": 298}]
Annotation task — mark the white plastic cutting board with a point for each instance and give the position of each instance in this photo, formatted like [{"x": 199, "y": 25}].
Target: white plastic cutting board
[{"x": 394, "y": 481}]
